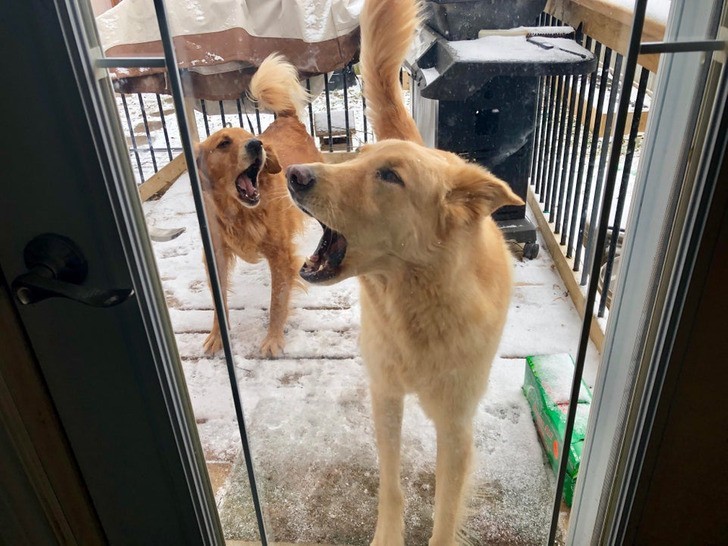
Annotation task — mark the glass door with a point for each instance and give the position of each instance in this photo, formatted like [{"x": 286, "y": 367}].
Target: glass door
[{"x": 193, "y": 425}]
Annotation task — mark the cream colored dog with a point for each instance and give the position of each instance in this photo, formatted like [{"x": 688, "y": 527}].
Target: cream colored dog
[{"x": 413, "y": 224}]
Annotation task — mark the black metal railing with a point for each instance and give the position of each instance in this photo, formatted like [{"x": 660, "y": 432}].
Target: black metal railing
[
  {"x": 572, "y": 139},
  {"x": 335, "y": 118}
]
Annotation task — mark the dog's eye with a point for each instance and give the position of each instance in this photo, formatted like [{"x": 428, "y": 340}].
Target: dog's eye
[
  {"x": 224, "y": 144},
  {"x": 388, "y": 175}
]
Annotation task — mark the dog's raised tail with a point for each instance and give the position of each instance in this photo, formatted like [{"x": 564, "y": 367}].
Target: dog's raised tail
[
  {"x": 387, "y": 30},
  {"x": 276, "y": 87}
]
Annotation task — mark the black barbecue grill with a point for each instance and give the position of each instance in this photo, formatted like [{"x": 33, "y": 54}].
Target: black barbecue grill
[{"x": 477, "y": 68}]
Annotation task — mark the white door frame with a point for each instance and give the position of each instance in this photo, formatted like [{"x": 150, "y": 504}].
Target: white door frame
[{"x": 629, "y": 361}]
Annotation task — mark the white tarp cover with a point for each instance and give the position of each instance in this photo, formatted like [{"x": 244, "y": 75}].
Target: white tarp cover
[
  {"x": 134, "y": 21},
  {"x": 222, "y": 41}
]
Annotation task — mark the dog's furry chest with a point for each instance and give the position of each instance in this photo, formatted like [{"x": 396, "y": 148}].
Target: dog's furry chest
[
  {"x": 251, "y": 233},
  {"x": 245, "y": 236},
  {"x": 416, "y": 341}
]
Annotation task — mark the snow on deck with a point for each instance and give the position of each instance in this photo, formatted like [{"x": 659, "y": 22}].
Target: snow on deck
[{"x": 308, "y": 413}]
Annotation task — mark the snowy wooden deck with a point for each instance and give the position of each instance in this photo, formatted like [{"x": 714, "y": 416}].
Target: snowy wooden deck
[{"x": 308, "y": 413}]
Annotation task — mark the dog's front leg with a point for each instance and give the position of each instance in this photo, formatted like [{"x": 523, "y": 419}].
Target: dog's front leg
[
  {"x": 284, "y": 275},
  {"x": 387, "y": 410},
  {"x": 223, "y": 258},
  {"x": 454, "y": 454}
]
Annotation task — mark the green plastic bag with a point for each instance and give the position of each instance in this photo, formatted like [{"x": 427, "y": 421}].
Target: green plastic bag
[{"x": 547, "y": 386}]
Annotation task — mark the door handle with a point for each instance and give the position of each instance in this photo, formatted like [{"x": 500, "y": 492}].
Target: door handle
[{"x": 56, "y": 269}]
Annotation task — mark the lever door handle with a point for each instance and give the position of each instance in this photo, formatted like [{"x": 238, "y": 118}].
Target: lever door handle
[{"x": 56, "y": 269}]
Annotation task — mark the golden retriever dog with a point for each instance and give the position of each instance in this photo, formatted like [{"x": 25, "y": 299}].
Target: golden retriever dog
[
  {"x": 251, "y": 213},
  {"x": 413, "y": 224}
]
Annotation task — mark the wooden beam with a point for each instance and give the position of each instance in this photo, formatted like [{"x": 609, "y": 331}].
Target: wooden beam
[
  {"x": 565, "y": 268},
  {"x": 163, "y": 180},
  {"x": 607, "y": 23}
]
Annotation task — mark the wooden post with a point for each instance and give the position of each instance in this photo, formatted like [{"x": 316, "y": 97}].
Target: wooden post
[{"x": 191, "y": 120}]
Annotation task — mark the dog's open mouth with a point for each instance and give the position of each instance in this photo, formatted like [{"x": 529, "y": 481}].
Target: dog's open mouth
[
  {"x": 247, "y": 184},
  {"x": 325, "y": 262}
]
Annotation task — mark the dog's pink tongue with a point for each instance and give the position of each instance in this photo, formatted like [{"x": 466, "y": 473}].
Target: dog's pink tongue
[{"x": 245, "y": 184}]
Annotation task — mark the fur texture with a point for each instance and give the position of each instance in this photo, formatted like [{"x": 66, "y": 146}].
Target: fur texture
[
  {"x": 276, "y": 87},
  {"x": 387, "y": 30},
  {"x": 265, "y": 229}
]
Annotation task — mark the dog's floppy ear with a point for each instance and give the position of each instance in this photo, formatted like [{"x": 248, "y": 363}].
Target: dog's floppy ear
[
  {"x": 272, "y": 165},
  {"x": 477, "y": 193}
]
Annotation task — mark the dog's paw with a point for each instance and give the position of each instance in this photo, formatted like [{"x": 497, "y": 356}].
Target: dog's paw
[
  {"x": 272, "y": 346},
  {"x": 213, "y": 343}
]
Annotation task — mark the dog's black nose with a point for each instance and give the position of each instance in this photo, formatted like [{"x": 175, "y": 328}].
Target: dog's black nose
[
  {"x": 300, "y": 177},
  {"x": 254, "y": 146}
]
